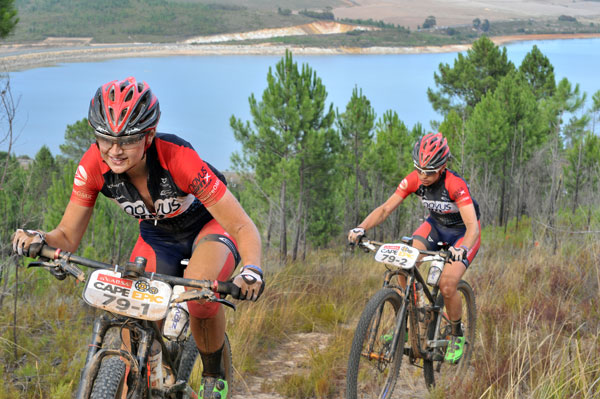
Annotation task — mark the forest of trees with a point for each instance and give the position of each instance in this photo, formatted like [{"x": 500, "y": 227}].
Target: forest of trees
[{"x": 528, "y": 146}]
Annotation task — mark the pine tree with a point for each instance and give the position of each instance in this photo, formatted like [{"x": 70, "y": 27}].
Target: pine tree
[
  {"x": 463, "y": 85},
  {"x": 356, "y": 129},
  {"x": 291, "y": 125}
]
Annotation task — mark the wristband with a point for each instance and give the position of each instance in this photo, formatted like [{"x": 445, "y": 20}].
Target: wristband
[
  {"x": 38, "y": 233},
  {"x": 466, "y": 249},
  {"x": 253, "y": 268}
]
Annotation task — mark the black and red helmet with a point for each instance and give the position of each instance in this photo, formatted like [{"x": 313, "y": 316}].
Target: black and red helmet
[
  {"x": 124, "y": 108},
  {"x": 431, "y": 152}
]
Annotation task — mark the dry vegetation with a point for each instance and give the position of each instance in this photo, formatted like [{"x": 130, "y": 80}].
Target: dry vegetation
[
  {"x": 538, "y": 333},
  {"x": 539, "y": 325},
  {"x": 412, "y": 13}
]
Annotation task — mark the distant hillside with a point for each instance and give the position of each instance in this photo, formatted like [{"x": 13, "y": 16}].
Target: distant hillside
[
  {"x": 162, "y": 21},
  {"x": 139, "y": 20}
]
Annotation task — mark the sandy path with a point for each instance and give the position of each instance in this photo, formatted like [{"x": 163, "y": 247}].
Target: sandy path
[{"x": 20, "y": 57}]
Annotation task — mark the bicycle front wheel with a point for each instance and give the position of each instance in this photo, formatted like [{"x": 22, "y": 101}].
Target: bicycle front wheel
[
  {"x": 109, "y": 380},
  {"x": 190, "y": 365},
  {"x": 371, "y": 372},
  {"x": 436, "y": 370}
]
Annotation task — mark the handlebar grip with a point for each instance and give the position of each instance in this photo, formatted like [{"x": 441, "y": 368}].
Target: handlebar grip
[
  {"x": 34, "y": 250},
  {"x": 39, "y": 249},
  {"x": 228, "y": 288}
]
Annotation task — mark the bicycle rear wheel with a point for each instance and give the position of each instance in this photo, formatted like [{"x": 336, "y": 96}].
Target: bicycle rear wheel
[
  {"x": 371, "y": 374},
  {"x": 190, "y": 365},
  {"x": 437, "y": 371}
]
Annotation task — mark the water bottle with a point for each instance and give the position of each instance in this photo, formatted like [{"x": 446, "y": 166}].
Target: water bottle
[
  {"x": 421, "y": 314},
  {"x": 176, "y": 323},
  {"x": 435, "y": 271},
  {"x": 155, "y": 366}
]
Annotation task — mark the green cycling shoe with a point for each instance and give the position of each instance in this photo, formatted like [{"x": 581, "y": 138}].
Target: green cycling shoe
[
  {"x": 454, "y": 352},
  {"x": 213, "y": 388}
]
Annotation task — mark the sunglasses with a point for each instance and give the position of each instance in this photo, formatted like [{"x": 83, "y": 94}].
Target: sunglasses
[
  {"x": 127, "y": 142},
  {"x": 427, "y": 172}
]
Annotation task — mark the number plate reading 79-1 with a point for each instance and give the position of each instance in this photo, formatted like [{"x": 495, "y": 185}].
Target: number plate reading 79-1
[
  {"x": 142, "y": 298},
  {"x": 400, "y": 255}
]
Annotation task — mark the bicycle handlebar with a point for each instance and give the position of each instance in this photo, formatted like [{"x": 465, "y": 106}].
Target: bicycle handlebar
[
  {"x": 66, "y": 259},
  {"x": 372, "y": 245}
]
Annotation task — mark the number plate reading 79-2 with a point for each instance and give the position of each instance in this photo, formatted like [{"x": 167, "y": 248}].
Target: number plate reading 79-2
[
  {"x": 142, "y": 298},
  {"x": 399, "y": 255}
]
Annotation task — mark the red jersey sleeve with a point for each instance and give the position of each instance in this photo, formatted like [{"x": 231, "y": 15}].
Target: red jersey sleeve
[
  {"x": 190, "y": 172},
  {"x": 88, "y": 179},
  {"x": 458, "y": 190},
  {"x": 408, "y": 185}
]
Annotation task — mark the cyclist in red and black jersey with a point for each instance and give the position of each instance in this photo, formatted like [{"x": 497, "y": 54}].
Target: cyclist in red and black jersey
[
  {"x": 453, "y": 218},
  {"x": 183, "y": 205}
]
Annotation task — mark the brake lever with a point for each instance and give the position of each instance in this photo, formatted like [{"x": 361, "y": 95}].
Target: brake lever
[
  {"x": 40, "y": 264},
  {"x": 201, "y": 294},
  {"x": 225, "y": 302},
  {"x": 52, "y": 267}
]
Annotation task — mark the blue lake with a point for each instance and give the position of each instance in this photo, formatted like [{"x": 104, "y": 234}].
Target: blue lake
[{"x": 199, "y": 94}]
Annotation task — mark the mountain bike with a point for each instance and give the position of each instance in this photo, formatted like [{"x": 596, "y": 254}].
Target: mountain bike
[
  {"x": 406, "y": 321},
  {"x": 119, "y": 358}
]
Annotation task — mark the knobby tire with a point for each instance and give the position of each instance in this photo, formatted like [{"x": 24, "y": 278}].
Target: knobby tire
[
  {"x": 369, "y": 332},
  {"x": 438, "y": 370},
  {"x": 109, "y": 380}
]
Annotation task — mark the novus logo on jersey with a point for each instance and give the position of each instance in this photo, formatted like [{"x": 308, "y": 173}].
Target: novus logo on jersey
[
  {"x": 200, "y": 181},
  {"x": 163, "y": 207},
  {"x": 440, "y": 206}
]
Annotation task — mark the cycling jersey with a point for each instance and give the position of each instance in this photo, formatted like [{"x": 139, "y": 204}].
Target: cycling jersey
[
  {"x": 180, "y": 183},
  {"x": 443, "y": 198}
]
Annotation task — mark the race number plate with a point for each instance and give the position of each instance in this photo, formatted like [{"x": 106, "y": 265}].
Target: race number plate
[
  {"x": 399, "y": 255},
  {"x": 141, "y": 299}
]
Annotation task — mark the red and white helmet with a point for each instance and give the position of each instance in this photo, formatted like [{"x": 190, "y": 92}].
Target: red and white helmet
[
  {"x": 124, "y": 108},
  {"x": 431, "y": 152}
]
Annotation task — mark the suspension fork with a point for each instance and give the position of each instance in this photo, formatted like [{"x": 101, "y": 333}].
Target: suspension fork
[
  {"x": 402, "y": 315},
  {"x": 101, "y": 326}
]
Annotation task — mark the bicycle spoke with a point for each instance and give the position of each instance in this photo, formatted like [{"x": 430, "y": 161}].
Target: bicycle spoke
[{"x": 372, "y": 374}]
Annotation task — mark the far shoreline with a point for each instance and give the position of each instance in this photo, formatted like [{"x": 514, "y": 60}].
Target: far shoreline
[{"x": 18, "y": 57}]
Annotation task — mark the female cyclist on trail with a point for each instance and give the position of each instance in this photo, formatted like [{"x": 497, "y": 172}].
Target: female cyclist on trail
[
  {"x": 453, "y": 218},
  {"x": 183, "y": 205}
]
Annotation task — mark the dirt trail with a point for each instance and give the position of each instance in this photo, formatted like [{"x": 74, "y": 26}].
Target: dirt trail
[
  {"x": 287, "y": 360},
  {"x": 291, "y": 358}
]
